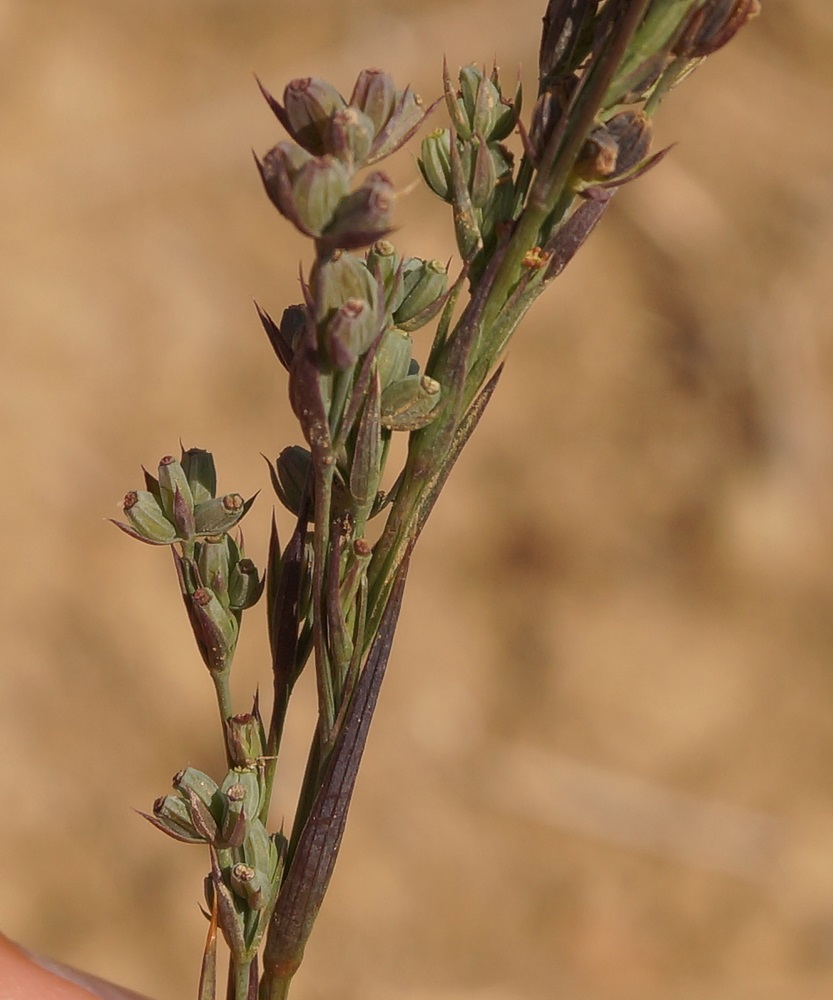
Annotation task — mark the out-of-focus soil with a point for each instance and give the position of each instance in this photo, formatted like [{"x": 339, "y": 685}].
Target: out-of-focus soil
[{"x": 601, "y": 767}]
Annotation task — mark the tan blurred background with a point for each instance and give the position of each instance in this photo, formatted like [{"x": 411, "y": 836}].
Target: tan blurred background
[{"x": 601, "y": 769}]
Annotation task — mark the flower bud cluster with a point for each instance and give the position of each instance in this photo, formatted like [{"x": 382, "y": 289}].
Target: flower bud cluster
[
  {"x": 309, "y": 179},
  {"x": 180, "y": 506},
  {"x": 359, "y": 320},
  {"x": 467, "y": 165},
  {"x": 248, "y": 860}
]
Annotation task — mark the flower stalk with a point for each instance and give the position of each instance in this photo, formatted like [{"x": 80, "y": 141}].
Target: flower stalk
[{"x": 350, "y": 348}]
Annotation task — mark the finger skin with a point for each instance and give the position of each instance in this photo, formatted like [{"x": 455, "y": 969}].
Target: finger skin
[{"x": 24, "y": 976}]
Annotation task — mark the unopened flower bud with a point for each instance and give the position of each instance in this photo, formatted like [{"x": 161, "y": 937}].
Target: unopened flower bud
[
  {"x": 245, "y": 586},
  {"x": 348, "y": 333},
  {"x": 176, "y": 497},
  {"x": 435, "y": 162},
  {"x": 198, "y": 466},
  {"x": 147, "y": 521},
  {"x": 375, "y": 93},
  {"x": 343, "y": 277},
  {"x": 251, "y": 885},
  {"x": 396, "y": 114},
  {"x": 363, "y": 217},
  {"x": 424, "y": 283},
  {"x": 244, "y": 735},
  {"x": 260, "y": 850},
  {"x": 318, "y": 189},
  {"x": 220, "y": 514},
  {"x": 285, "y": 337},
  {"x": 303, "y": 188},
  {"x": 383, "y": 263},
  {"x": 213, "y": 563},
  {"x": 242, "y": 793},
  {"x": 191, "y": 779},
  {"x": 483, "y": 177},
  {"x": 410, "y": 403},
  {"x": 215, "y": 629},
  {"x": 479, "y": 101},
  {"x": 292, "y": 472},
  {"x": 350, "y": 135},
  {"x": 172, "y": 815},
  {"x": 393, "y": 356},
  {"x": 309, "y": 104}
]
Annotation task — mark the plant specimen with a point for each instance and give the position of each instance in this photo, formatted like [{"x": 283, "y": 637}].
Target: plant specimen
[{"x": 334, "y": 589}]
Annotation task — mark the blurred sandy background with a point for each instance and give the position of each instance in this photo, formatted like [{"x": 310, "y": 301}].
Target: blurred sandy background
[{"x": 601, "y": 768}]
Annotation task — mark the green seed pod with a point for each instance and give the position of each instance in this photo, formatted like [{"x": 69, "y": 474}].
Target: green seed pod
[
  {"x": 220, "y": 514},
  {"x": 260, "y": 851},
  {"x": 242, "y": 794},
  {"x": 242, "y": 790},
  {"x": 410, "y": 403},
  {"x": 214, "y": 628},
  {"x": 212, "y": 555},
  {"x": 198, "y": 466},
  {"x": 343, "y": 277},
  {"x": 251, "y": 885},
  {"x": 309, "y": 104},
  {"x": 363, "y": 217},
  {"x": 479, "y": 100},
  {"x": 507, "y": 112},
  {"x": 244, "y": 735},
  {"x": 172, "y": 815},
  {"x": 172, "y": 478},
  {"x": 349, "y": 332},
  {"x": 483, "y": 174},
  {"x": 383, "y": 263},
  {"x": 245, "y": 586},
  {"x": 147, "y": 521},
  {"x": 393, "y": 356},
  {"x": 375, "y": 93},
  {"x": 434, "y": 162},
  {"x": 424, "y": 284},
  {"x": 318, "y": 189},
  {"x": 396, "y": 114},
  {"x": 278, "y": 172},
  {"x": 350, "y": 135},
  {"x": 205, "y": 803},
  {"x": 190, "y": 779},
  {"x": 201, "y": 817},
  {"x": 292, "y": 471}
]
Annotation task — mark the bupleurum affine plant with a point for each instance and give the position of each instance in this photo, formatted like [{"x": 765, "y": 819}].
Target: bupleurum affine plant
[{"x": 333, "y": 595}]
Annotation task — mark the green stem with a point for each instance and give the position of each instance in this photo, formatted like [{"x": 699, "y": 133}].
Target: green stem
[
  {"x": 223, "y": 692},
  {"x": 239, "y": 978}
]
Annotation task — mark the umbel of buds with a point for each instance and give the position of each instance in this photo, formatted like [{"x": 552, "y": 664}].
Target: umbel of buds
[{"x": 309, "y": 179}]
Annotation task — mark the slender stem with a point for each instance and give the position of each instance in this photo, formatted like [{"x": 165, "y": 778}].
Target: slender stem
[
  {"x": 240, "y": 977},
  {"x": 223, "y": 692}
]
